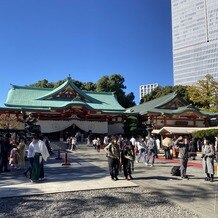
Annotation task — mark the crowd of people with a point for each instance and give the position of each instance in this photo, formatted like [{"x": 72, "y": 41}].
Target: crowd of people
[
  {"x": 13, "y": 155},
  {"x": 123, "y": 153}
]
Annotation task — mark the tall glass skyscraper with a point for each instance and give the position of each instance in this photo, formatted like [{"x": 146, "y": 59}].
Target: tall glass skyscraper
[{"x": 195, "y": 40}]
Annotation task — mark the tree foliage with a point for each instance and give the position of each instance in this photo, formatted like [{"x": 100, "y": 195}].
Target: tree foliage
[
  {"x": 8, "y": 121},
  {"x": 210, "y": 133},
  {"x": 134, "y": 126},
  {"x": 89, "y": 86},
  {"x": 113, "y": 83},
  {"x": 130, "y": 126},
  {"x": 161, "y": 91},
  {"x": 205, "y": 93},
  {"x": 42, "y": 84}
]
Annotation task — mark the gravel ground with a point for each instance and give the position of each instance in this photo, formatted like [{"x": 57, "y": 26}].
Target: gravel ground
[{"x": 111, "y": 203}]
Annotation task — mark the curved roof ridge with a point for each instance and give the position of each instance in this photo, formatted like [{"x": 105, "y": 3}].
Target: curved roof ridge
[
  {"x": 96, "y": 92},
  {"x": 166, "y": 98},
  {"x": 64, "y": 85},
  {"x": 157, "y": 102}
]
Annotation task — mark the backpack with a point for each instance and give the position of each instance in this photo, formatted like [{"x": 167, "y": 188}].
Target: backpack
[{"x": 175, "y": 171}]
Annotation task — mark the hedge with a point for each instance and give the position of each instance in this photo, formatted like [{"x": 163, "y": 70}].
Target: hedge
[{"x": 210, "y": 133}]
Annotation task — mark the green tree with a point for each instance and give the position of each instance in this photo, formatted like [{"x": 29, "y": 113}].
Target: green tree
[
  {"x": 45, "y": 84},
  {"x": 205, "y": 93},
  {"x": 58, "y": 83},
  {"x": 115, "y": 84},
  {"x": 42, "y": 84},
  {"x": 210, "y": 133},
  {"x": 130, "y": 126},
  {"x": 161, "y": 91},
  {"x": 89, "y": 86}
]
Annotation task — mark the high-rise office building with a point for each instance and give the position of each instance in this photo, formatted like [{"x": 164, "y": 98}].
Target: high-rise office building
[
  {"x": 195, "y": 40},
  {"x": 146, "y": 89}
]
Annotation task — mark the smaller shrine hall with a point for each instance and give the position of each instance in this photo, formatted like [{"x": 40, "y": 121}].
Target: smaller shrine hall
[
  {"x": 64, "y": 107},
  {"x": 172, "y": 111}
]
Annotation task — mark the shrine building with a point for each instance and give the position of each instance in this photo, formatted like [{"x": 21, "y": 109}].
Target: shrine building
[
  {"x": 173, "y": 111},
  {"x": 63, "y": 109},
  {"x": 67, "y": 109}
]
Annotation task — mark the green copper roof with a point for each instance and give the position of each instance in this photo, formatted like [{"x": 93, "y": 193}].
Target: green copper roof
[
  {"x": 179, "y": 110},
  {"x": 158, "y": 106},
  {"x": 150, "y": 105},
  {"x": 67, "y": 83},
  {"x": 46, "y": 98}
]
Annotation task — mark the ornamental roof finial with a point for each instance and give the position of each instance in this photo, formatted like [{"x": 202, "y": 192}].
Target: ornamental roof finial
[{"x": 69, "y": 77}]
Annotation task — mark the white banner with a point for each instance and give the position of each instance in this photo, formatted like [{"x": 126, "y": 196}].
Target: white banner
[{"x": 49, "y": 126}]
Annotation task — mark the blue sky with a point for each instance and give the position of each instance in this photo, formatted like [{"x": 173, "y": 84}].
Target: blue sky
[{"x": 50, "y": 39}]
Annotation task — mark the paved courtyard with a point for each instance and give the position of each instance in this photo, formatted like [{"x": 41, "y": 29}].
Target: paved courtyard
[{"x": 88, "y": 172}]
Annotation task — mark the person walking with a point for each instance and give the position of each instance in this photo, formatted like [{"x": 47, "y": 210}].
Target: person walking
[
  {"x": 113, "y": 154},
  {"x": 133, "y": 140},
  {"x": 73, "y": 144},
  {"x": 30, "y": 156},
  {"x": 182, "y": 142},
  {"x": 98, "y": 147},
  {"x": 39, "y": 151},
  {"x": 45, "y": 154},
  {"x": 21, "y": 151},
  {"x": 208, "y": 155},
  {"x": 152, "y": 151},
  {"x": 142, "y": 150},
  {"x": 106, "y": 141}
]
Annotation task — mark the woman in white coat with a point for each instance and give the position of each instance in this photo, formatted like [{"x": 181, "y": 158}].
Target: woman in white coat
[{"x": 208, "y": 155}]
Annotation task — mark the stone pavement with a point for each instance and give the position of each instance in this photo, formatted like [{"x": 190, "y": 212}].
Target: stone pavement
[
  {"x": 194, "y": 194},
  {"x": 88, "y": 170},
  {"x": 79, "y": 175}
]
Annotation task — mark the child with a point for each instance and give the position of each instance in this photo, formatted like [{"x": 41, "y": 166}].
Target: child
[{"x": 14, "y": 156}]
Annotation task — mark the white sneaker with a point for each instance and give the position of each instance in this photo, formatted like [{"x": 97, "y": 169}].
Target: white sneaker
[
  {"x": 136, "y": 161},
  {"x": 146, "y": 164}
]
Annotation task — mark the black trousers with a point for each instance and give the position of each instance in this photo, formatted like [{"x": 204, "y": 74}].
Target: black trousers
[
  {"x": 167, "y": 153},
  {"x": 29, "y": 169},
  {"x": 127, "y": 167},
  {"x": 41, "y": 175},
  {"x": 113, "y": 164},
  {"x": 4, "y": 162},
  {"x": 183, "y": 166}
]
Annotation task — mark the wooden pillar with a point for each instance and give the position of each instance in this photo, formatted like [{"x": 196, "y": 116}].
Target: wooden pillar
[
  {"x": 194, "y": 121},
  {"x": 165, "y": 120}
]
